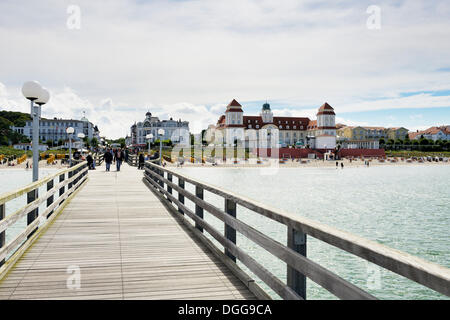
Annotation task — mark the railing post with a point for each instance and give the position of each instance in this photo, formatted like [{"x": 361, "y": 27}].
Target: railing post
[
  {"x": 169, "y": 188},
  {"x": 198, "y": 209},
  {"x": 3, "y": 233},
  {"x": 230, "y": 233},
  {"x": 62, "y": 189},
  {"x": 50, "y": 199},
  {"x": 69, "y": 175},
  {"x": 296, "y": 240},
  {"x": 180, "y": 196},
  {"x": 161, "y": 183},
  {"x": 31, "y": 196}
]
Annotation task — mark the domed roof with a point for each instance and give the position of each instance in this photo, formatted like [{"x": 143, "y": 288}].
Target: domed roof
[
  {"x": 84, "y": 117},
  {"x": 148, "y": 114},
  {"x": 266, "y": 106}
]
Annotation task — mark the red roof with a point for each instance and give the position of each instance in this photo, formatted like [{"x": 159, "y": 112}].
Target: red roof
[
  {"x": 234, "y": 103},
  {"x": 286, "y": 123},
  {"x": 326, "y": 109}
]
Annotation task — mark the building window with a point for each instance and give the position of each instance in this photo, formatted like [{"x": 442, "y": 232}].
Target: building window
[
  {"x": 249, "y": 126},
  {"x": 295, "y": 127},
  {"x": 257, "y": 126}
]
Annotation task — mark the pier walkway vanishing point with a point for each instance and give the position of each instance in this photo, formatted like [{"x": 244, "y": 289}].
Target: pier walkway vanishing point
[{"x": 124, "y": 244}]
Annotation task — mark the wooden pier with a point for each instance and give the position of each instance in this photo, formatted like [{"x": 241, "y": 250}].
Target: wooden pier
[
  {"x": 126, "y": 245},
  {"x": 125, "y": 235}
]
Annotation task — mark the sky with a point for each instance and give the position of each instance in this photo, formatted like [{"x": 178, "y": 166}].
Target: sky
[{"x": 380, "y": 63}]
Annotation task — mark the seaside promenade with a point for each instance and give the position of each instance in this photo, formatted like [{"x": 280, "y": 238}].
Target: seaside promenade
[{"x": 124, "y": 244}]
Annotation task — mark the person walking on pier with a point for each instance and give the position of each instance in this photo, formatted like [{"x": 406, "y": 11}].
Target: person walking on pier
[
  {"x": 141, "y": 161},
  {"x": 118, "y": 158},
  {"x": 108, "y": 157}
]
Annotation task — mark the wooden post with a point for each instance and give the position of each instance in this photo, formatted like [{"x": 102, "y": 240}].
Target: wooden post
[
  {"x": 31, "y": 196},
  {"x": 161, "y": 173},
  {"x": 169, "y": 188},
  {"x": 296, "y": 240},
  {"x": 62, "y": 189},
  {"x": 230, "y": 233},
  {"x": 70, "y": 175},
  {"x": 198, "y": 209},
  {"x": 180, "y": 196},
  {"x": 3, "y": 233},
  {"x": 50, "y": 199}
]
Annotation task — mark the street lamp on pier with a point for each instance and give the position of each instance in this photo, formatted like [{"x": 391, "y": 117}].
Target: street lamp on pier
[
  {"x": 81, "y": 137},
  {"x": 70, "y": 132},
  {"x": 149, "y": 138},
  {"x": 34, "y": 92},
  {"x": 161, "y": 133}
]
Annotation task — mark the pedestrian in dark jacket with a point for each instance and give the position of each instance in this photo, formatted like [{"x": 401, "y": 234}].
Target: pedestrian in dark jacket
[
  {"x": 90, "y": 161},
  {"x": 141, "y": 161},
  {"x": 119, "y": 156},
  {"x": 108, "y": 157}
]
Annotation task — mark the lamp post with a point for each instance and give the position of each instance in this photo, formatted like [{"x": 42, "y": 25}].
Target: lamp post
[
  {"x": 70, "y": 132},
  {"x": 161, "y": 133},
  {"x": 149, "y": 138},
  {"x": 81, "y": 136},
  {"x": 33, "y": 91}
]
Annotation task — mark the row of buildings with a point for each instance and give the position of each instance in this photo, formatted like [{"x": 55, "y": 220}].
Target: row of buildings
[
  {"x": 55, "y": 129},
  {"x": 175, "y": 131},
  {"x": 320, "y": 133}
]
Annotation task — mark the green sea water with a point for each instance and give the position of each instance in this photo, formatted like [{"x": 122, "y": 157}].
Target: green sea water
[{"x": 403, "y": 207}]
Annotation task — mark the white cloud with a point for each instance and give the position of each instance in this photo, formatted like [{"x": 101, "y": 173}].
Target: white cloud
[{"x": 176, "y": 57}]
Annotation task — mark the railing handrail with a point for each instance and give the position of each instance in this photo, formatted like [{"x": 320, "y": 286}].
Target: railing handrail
[
  {"x": 8, "y": 196},
  {"x": 429, "y": 274},
  {"x": 55, "y": 196}
]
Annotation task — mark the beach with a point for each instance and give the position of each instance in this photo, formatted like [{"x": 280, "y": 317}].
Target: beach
[{"x": 313, "y": 163}]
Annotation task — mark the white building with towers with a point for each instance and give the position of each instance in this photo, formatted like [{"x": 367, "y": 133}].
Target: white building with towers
[{"x": 291, "y": 131}]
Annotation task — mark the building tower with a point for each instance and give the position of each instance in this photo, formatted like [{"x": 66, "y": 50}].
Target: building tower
[
  {"x": 234, "y": 114},
  {"x": 326, "y": 128},
  {"x": 266, "y": 113},
  {"x": 326, "y": 120}
]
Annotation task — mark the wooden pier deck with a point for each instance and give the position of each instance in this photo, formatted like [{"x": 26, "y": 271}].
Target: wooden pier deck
[{"x": 126, "y": 245}]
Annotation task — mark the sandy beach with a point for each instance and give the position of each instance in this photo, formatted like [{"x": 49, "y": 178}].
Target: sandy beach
[
  {"x": 42, "y": 164},
  {"x": 309, "y": 163}
]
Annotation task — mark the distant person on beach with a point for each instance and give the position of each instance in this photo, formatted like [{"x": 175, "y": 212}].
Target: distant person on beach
[
  {"x": 337, "y": 164},
  {"x": 342, "y": 165},
  {"x": 108, "y": 157},
  {"x": 118, "y": 158},
  {"x": 27, "y": 166},
  {"x": 141, "y": 161}
]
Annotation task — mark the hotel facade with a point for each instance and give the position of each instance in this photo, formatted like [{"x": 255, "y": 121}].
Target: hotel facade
[
  {"x": 176, "y": 131},
  {"x": 55, "y": 129},
  {"x": 283, "y": 131}
]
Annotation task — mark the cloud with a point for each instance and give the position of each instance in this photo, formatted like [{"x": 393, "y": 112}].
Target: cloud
[{"x": 189, "y": 58}]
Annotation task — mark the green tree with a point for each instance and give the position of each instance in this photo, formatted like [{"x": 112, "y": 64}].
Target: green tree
[{"x": 94, "y": 142}]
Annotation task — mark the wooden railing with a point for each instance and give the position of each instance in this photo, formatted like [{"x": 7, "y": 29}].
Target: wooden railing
[
  {"x": 99, "y": 158},
  {"x": 133, "y": 160},
  {"x": 67, "y": 182},
  {"x": 299, "y": 267}
]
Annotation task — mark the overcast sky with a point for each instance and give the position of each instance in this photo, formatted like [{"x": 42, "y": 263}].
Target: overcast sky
[{"x": 189, "y": 59}]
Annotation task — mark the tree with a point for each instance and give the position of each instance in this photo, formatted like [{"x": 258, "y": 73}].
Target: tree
[
  {"x": 94, "y": 142},
  {"x": 382, "y": 141}
]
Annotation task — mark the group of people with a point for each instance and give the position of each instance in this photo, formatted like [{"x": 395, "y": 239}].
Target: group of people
[{"x": 114, "y": 155}]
